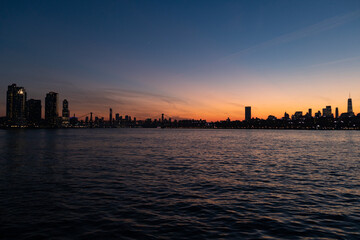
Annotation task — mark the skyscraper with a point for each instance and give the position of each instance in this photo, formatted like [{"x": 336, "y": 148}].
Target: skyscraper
[
  {"x": 337, "y": 113},
  {"x": 65, "y": 112},
  {"x": 327, "y": 112},
  {"x": 33, "y": 111},
  {"x": 16, "y": 105},
  {"x": 324, "y": 112},
  {"x": 110, "y": 116},
  {"x": 51, "y": 109},
  {"x": 350, "y": 108},
  {"x": 247, "y": 113}
]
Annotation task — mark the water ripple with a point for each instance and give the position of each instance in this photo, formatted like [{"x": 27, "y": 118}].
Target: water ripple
[{"x": 179, "y": 184}]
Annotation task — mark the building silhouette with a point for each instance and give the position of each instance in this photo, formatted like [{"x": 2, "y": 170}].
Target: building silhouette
[
  {"x": 350, "y": 108},
  {"x": 327, "y": 112},
  {"x": 297, "y": 115},
  {"x": 65, "y": 112},
  {"x": 336, "y": 112},
  {"x": 16, "y": 105},
  {"x": 51, "y": 109},
  {"x": 23, "y": 113},
  {"x": 110, "y": 116},
  {"x": 247, "y": 113},
  {"x": 286, "y": 116},
  {"x": 33, "y": 112}
]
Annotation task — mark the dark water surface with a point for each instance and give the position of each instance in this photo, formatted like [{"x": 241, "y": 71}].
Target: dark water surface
[{"x": 174, "y": 184}]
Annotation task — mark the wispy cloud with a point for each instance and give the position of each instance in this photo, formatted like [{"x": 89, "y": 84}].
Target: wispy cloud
[
  {"x": 141, "y": 104},
  {"x": 126, "y": 93},
  {"x": 325, "y": 100},
  {"x": 335, "y": 62},
  {"x": 236, "y": 104},
  {"x": 322, "y": 26}
]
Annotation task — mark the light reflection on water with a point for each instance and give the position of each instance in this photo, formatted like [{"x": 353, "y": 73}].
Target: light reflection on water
[{"x": 163, "y": 183}]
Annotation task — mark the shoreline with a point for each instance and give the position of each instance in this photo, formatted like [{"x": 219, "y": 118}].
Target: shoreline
[{"x": 174, "y": 128}]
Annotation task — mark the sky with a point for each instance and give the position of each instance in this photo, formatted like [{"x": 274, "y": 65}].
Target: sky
[{"x": 186, "y": 59}]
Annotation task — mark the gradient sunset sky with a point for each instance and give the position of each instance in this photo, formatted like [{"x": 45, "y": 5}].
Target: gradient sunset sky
[{"x": 187, "y": 59}]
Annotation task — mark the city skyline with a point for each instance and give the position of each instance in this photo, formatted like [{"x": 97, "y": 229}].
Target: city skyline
[
  {"x": 274, "y": 56},
  {"x": 23, "y": 111}
]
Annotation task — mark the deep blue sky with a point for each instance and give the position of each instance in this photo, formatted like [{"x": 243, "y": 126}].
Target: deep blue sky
[{"x": 185, "y": 58}]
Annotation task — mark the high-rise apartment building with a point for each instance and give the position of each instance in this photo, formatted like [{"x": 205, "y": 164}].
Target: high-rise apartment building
[{"x": 16, "y": 105}]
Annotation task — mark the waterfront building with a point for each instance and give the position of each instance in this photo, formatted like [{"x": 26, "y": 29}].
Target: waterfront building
[
  {"x": 336, "y": 112},
  {"x": 318, "y": 114},
  {"x": 297, "y": 115},
  {"x": 247, "y": 113},
  {"x": 350, "y": 107},
  {"x": 327, "y": 112},
  {"x": 74, "y": 120},
  {"x": 271, "y": 118},
  {"x": 51, "y": 109},
  {"x": 65, "y": 110},
  {"x": 286, "y": 116},
  {"x": 110, "y": 116},
  {"x": 65, "y": 113},
  {"x": 33, "y": 112},
  {"x": 16, "y": 105}
]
